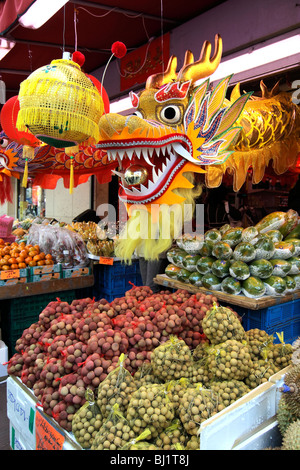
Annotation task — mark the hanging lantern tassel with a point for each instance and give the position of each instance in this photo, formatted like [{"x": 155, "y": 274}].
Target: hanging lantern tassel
[
  {"x": 28, "y": 154},
  {"x": 71, "y": 174}
]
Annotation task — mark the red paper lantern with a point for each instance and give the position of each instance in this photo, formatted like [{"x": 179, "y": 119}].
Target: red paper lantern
[
  {"x": 8, "y": 119},
  {"x": 102, "y": 92}
]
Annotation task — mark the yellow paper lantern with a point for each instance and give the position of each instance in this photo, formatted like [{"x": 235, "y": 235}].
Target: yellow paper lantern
[{"x": 60, "y": 105}]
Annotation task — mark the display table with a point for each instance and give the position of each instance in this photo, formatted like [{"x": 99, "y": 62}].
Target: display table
[
  {"x": 37, "y": 288},
  {"x": 273, "y": 314},
  {"x": 240, "y": 300}
]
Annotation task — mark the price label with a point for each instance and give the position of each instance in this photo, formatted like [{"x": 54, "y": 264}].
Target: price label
[
  {"x": 47, "y": 437},
  {"x": 10, "y": 274},
  {"x": 106, "y": 260}
]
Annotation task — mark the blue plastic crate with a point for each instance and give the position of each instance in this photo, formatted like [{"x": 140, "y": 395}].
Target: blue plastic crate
[
  {"x": 278, "y": 318},
  {"x": 117, "y": 277}
]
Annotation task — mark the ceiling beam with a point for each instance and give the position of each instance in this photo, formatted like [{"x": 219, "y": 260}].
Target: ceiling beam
[
  {"x": 100, "y": 6},
  {"x": 51, "y": 44}
]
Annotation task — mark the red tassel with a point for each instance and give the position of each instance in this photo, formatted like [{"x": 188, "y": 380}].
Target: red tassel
[
  {"x": 6, "y": 193},
  {"x": 118, "y": 49},
  {"x": 78, "y": 57}
]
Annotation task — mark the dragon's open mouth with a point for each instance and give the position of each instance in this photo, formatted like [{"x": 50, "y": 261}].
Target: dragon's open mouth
[{"x": 159, "y": 166}]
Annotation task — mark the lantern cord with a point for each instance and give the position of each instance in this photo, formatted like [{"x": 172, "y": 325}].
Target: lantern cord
[{"x": 75, "y": 27}]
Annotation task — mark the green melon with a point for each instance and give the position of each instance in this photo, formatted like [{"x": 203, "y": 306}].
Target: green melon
[
  {"x": 273, "y": 221},
  {"x": 233, "y": 236},
  {"x": 244, "y": 251},
  {"x": 275, "y": 285},
  {"x": 291, "y": 285},
  {"x": 253, "y": 287},
  {"x": 281, "y": 267},
  {"x": 239, "y": 270},
  {"x": 172, "y": 271},
  {"x": 222, "y": 250},
  {"x": 212, "y": 235},
  {"x": 210, "y": 281},
  {"x": 190, "y": 262},
  {"x": 207, "y": 248},
  {"x": 229, "y": 285},
  {"x": 295, "y": 264},
  {"x": 224, "y": 229},
  {"x": 204, "y": 264},
  {"x": 179, "y": 257},
  {"x": 284, "y": 250},
  {"x": 275, "y": 235},
  {"x": 249, "y": 234},
  {"x": 183, "y": 275},
  {"x": 265, "y": 248},
  {"x": 295, "y": 233},
  {"x": 171, "y": 253},
  {"x": 261, "y": 268},
  {"x": 296, "y": 243},
  {"x": 296, "y": 278},
  {"x": 220, "y": 267},
  {"x": 191, "y": 244},
  {"x": 195, "y": 279}
]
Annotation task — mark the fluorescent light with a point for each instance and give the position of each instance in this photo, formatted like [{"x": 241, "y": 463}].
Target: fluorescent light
[
  {"x": 39, "y": 13},
  {"x": 258, "y": 56},
  {"x": 122, "y": 104},
  {"x": 5, "y": 47}
]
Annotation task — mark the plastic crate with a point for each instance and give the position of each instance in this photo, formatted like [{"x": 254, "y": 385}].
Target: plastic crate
[
  {"x": 19, "y": 314},
  {"x": 279, "y": 318},
  {"x": 113, "y": 281},
  {"x": 14, "y": 276},
  {"x": 76, "y": 272}
]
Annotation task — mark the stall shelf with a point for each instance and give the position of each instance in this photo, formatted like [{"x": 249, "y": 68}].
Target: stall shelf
[{"x": 274, "y": 314}]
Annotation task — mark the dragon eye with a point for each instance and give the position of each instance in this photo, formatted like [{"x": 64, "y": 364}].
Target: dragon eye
[
  {"x": 3, "y": 143},
  {"x": 138, "y": 114},
  {"x": 171, "y": 114}
]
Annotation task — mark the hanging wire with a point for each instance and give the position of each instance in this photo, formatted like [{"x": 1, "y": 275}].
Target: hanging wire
[
  {"x": 161, "y": 33},
  {"x": 75, "y": 27},
  {"x": 64, "y": 28}
]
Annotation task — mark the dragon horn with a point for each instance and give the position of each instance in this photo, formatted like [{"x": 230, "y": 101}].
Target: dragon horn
[
  {"x": 205, "y": 65},
  {"x": 159, "y": 79}
]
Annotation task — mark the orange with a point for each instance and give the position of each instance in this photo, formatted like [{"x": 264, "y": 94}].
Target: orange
[
  {"x": 32, "y": 263},
  {"x": 22, "y": 265},
  {"x": 48, "y": 262},
  {"x": 12, "y": 261},
  {"x": 42, "y": 255},
  {"x": 48, "y": 256},
  {"x": 36, "y": 258},
  {"x": 14, "y": 266},
  {"x": 41, "y": 262},
  {"x": 5, "y": 267}
]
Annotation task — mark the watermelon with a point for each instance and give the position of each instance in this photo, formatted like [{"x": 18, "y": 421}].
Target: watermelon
[
  {"x": 222, "y": 250},
  {"x": 204, "y": 264},
  {"x": 207, "y": 248},
  {"x": 195, "y": 279},
  {"x": 281, "y": 267},
  {"x": 261, "y": 268},
  {"x": 253, "y": 287},
  {"x": 296, "y": 243},
  {"x": 239, "y": 270},
  {"x": 210, "y": 281},
  {"x": 220, "y": 267},
  {"x": 190, "y": 244},
  {"x": 212, "y": 235},
  {"x": 244, "y": 251},
  {"x": 272, "y": 221},
  {"x": 249, "y": 234},
  {"x": 229, "y": 285},
  {"x": 265, "y": 248},
  {"x": 290, "y": 284},
  {"x": 172, "y": 271},
  {"x": 275, "y": 235},
  {"x": 284, "y": 250},
  {"x": 275, "y": 285},
  {"x": 294, "y": 261},
  {"x": 233, "y": 236},
  {"x": 183, "y": 275},
  {"x": 190, "y": 261}
]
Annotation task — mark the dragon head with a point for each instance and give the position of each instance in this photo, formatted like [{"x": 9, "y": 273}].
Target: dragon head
[{"x": 178, "y": 129}]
